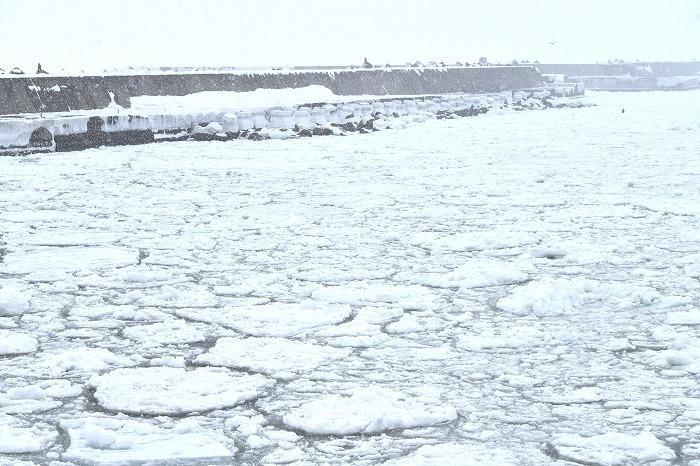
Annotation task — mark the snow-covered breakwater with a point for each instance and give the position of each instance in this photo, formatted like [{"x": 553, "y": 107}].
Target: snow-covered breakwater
[
  {"x": 262, "y": 114},
  {"x": 34, "y": 94}
]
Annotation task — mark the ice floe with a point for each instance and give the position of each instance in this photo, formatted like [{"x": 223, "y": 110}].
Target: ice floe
[
  {"x": 12, "y": 342},
  {"x": 274, "y": 319},
  {"x": 365, "y": 411},
  {"x": 552, "y": 297},
  {"x": 612, "y": 448},
  {"x": 19, "y": 437},
  {"x": 167, "y": 390},
  {"x": 277, "y": 357},
  {"x": 456, "y": 454},
  {"x": 12, "y": 301},
  {"x": 120, "y": 440}
]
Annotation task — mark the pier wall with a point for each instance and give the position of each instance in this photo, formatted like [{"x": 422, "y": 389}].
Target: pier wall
[{"x": 34, "y": 94}]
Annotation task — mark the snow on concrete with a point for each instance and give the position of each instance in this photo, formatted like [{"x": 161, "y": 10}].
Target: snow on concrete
[
  {"x": 216, "y": 101},
  {"x": 167, "y": 390},
  {"x": 365, "y": 411},
  {"x": 277, "y": 357}
]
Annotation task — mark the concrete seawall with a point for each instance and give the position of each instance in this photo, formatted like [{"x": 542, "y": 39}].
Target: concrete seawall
[
  {"x": 34, "y": 94},
  {"x": 657, "y": 69}
]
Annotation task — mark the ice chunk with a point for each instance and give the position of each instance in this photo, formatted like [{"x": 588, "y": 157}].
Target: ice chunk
[
  {"x": 119, "y": 440},
  {"x": 12, "y": 302},
  {"x": 684, "y": 354},
  {"x": 168, "y": 332},
  {"x": 277, "y": 357},
  {"x": 18, "y": 437},
  {"x": 456, "y": 454},
  {"x": 168, "y": 391},
  {"x": 515, "y": 337},
  {"x": 12, "y": 342},
  {"x": 274, "y": 319},
  {"x": 82, "y": 359},
  {"x": 691, "y": 317},
  {"x": 476, "y": 240},
  {"x": 612, "y": 448},
  {"x": 365, "y": 411},
  {"x": 362, "y": 294},
  {"x": 551, "y": 297},
  {"x": 477, "y": 273},
  {"x": 70, "y": 259}
]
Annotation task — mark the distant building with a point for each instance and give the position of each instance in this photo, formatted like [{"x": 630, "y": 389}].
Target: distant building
[{"x": 483, "y": 61}]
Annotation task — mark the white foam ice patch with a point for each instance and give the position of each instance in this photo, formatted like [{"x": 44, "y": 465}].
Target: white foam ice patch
[
  {"x": 81, "y": 359},
  {"x": 169, "y": 391},
  {"x": 13, "y": 302},
  {"x": 456, "y": 454},
  {"x": 690, "y": 317},
  {"x": 410, "y": 353},
  {"x": 12, "y": 342},
  {"x": 273, "y": 319},
  {"x": 170, "y": 332},
  {"x": 684, "y": 354},
  {"x": 67, "y": 237},
  {"x": 366, "y": 411},
  {"x": 572, "y": 396},
  {"x": 497, "y": 238},
  {"x": 515, "y": 337},
  {"x": 476, "y": 273},
  {"x": 120, "y": 440},
  {"x": 101, "y": 311},
  {"x": 277, "y": 357},
  {"x": 551, "y": 297},
  {"x": 367, "y": 294},
  {"x": 612, "y": 448},
  {"x": 20, "y": 437},
  {"x": 69, "y": 259}
]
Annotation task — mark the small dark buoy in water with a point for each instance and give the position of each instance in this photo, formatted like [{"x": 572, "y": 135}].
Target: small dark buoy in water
[{"x": 623, "y": 110}]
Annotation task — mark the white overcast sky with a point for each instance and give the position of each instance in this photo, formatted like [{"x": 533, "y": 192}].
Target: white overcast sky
[{"x": 96, "y": 35}]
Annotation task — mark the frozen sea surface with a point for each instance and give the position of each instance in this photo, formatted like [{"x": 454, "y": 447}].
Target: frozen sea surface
[{"x": 520, "y": 288}]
